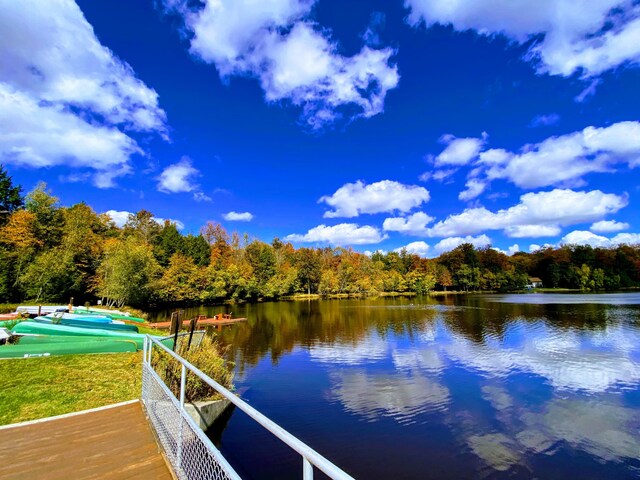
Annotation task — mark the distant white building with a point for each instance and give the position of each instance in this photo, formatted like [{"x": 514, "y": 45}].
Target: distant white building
[{"x": 534, "y": 282}]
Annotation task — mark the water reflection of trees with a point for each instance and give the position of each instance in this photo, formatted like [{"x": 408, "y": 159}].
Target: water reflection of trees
[{"x": 276, "y": 328}]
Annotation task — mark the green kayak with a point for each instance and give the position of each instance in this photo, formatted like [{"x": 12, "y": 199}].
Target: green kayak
[
  {"x": 63, "y": 330},
  {"x": 28, "y": 350}
]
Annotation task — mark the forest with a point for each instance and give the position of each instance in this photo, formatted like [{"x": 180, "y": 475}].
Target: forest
[{"x": 49, "y": 253}]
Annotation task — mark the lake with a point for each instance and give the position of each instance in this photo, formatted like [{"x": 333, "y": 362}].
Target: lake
[{"x": 477, "y": 386}]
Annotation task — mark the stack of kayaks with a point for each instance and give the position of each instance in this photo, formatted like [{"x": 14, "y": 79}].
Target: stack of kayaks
[
  {"x": 84, "y": 331},
  {"x": 86, "y": 321}
]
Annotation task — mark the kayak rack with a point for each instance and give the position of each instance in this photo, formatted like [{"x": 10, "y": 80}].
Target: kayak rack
[{"x": 188, "y": 450}]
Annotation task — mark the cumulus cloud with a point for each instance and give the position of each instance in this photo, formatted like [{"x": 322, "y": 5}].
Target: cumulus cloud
[
  {"x": 474, "y": 188},
  {"x": 532, "y": 231},
  {"x": 342, "y": 234},
  {"x": 353, "y": 199},
  {"x": 415, "y": 224},
  {"x": 293, "y": 58},
  {"x": 582, "y": 237},
  {"x": 450, "y": 243},
  {"x": 589, "y": 37},
  {"x": 120, "y": 217},
  {"x": 238, "y": 217},
  {"x": 459, "y": 151},
  {"x": 179, "y": 177},
  {"x": 559, "y": 160},
  {"x": 417, "y": 248},
  {"x": 537, "y": 214},
  {"x": 65, "y": 98},
  {"x": 606, "y": 226},
  {"x": 37, "y": 135}
]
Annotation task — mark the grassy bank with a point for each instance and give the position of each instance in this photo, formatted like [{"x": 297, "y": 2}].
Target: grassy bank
[{"x": 41, "y": 387}]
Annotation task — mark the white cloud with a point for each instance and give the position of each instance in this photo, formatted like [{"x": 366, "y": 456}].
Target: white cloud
[
  {"x": 450, "y": 243},
  {"x": 201, "y": 197},
  {"x": 566, "y": 158},
  {"x": 545, "y": 120},
  {"x": 238, "y": 217},
  {"x": 582, "y": 237},
  {"x": 588, "y": 37},
  {"x": 120, "y": 217},
  {"x": 415, "y": 224},
  {"x": 66, "y": 99},
  {"x": 606, "y": 226},
  {"x": 558, "y": 160},
  {"x": 515, "y": 248},
  {"x": 459, "y": 151},
  {"x": 38, "y": 135},
  {"x": 532, "y": 231},
  {"x": 342, "y": 234},
  {"x": 535, "y": 247},
  {"x": 179, "y": 177},
  {"x": 474, "y": 188},
  {"x": 293, "y": 58},
  {"x": 417, "y": 248},
  {"x": 353, "y": 199},
  {"x": 537, "y": 214}
]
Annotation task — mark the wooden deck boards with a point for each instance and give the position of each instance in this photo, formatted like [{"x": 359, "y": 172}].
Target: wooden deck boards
[
  {"x": 115, "y": 443},
  {"x": 201, "y": 322}
]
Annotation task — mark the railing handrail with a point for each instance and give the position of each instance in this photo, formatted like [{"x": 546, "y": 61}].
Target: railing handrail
[{"x": 296, "y": 444}]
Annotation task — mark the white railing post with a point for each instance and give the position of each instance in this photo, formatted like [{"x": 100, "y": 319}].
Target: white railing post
[
  {"x": 183, "y": 381},
  {"x": 144, "y": 349},
  {"x": 307, "y": 469}
]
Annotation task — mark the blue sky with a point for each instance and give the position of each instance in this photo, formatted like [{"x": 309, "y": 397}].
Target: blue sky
[{"x": 376, "y": 125}]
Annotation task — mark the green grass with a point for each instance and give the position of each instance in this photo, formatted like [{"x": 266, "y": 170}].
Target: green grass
[
  {"x": 8, "y": 307},
  {"x": 35, "y": 388}
]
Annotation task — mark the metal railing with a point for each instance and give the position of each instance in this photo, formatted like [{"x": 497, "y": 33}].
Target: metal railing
[{"x": 190, "y": 452}]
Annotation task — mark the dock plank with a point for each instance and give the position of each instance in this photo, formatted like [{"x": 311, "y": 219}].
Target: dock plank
[{"x": 115, "y": 443}]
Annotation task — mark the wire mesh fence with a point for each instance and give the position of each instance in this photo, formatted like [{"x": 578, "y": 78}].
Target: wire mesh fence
[{"x": 188, "y": 450}]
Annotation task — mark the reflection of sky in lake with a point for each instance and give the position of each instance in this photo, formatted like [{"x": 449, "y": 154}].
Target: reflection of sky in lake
[{"x": 533, "y": 390}]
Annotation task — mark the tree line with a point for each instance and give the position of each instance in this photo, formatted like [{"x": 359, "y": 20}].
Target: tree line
[{"x": 49, "y": 252}]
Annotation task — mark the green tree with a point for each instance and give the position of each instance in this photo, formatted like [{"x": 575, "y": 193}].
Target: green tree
[
  {"x": 49, "y": 219},
  {"x": 142, "y": 226},
  {"x": 127, "y": 273},
  {"x": 10, "y": 196},
  {"x": 309, "y": 268},
  {"x": 198, "y": 249},
  {"x": 167, "y": 243}
]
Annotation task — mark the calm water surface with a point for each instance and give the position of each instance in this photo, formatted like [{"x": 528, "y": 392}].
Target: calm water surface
[{"x": 487, "y": 386}]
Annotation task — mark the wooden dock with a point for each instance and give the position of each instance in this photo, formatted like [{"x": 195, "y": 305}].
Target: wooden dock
[
  {"x": 109, "y": 443},
  {"x": 202, "y": 322}
]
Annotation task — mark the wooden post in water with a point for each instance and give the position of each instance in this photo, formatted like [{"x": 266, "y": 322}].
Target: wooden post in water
[
  {"x": 178, "y": 325},
  {"x": 39, "y": 310},
  {"x": 173, "y": 326},
  {"x": 192, "y": 327}
]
